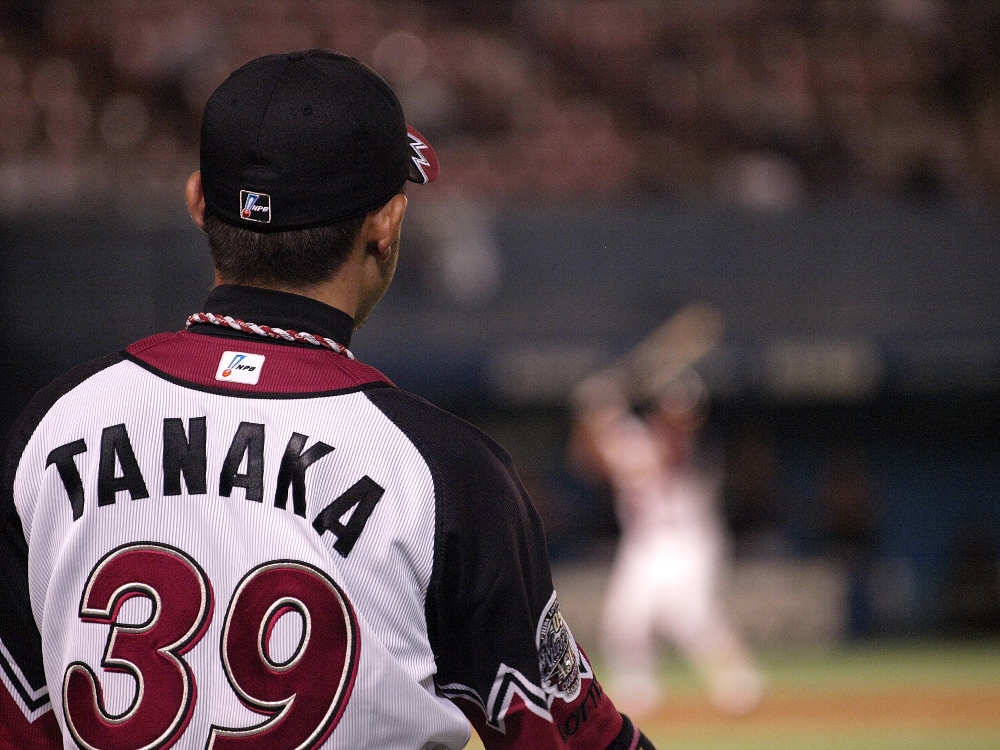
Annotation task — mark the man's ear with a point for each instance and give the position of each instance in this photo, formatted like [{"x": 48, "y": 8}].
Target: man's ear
[
  {"x": 195, "y": 200},
  {"x": 384, "y": 223}
]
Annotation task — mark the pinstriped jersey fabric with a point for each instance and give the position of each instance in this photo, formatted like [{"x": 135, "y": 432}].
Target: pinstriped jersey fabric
[
  {"x": 384, "y": 576},
  {"x": 312, "y": 559}
]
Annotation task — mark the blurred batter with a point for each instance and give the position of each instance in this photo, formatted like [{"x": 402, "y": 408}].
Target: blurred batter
[{"x": 665, "y": 579}]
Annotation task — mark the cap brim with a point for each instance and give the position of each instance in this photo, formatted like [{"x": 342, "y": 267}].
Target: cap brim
[{"x": 422, "y": 166}]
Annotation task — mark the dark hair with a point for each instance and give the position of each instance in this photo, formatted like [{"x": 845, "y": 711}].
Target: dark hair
[{"x": 294, "y": 258}]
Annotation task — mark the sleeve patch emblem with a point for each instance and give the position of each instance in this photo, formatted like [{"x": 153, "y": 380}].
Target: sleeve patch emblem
[{"x": 558, "y": 655}]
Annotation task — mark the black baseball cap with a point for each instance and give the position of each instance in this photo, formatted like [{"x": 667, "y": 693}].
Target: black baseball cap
[{"x": 306, "y": 139}]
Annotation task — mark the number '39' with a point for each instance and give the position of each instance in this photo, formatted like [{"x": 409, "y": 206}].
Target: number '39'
[{"x": 301, "y": 698}]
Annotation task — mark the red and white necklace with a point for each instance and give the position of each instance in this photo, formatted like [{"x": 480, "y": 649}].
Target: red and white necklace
[{"x": 275, "y": 333}]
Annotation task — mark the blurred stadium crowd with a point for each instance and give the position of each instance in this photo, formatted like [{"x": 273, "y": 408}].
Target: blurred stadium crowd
[{"x": 770, "y": 103}]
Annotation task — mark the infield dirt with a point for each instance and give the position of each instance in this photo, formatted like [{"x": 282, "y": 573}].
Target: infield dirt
[{"x": 933, "y": 709}]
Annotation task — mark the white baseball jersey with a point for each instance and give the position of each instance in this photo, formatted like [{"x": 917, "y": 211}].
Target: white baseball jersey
[{"x": 216, "y": 540}]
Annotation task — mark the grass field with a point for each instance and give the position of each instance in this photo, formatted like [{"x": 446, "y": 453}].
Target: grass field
[{"x": 917, "y": 696}]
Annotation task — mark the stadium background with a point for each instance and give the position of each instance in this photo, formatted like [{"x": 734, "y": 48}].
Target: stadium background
[{"x": 826, "y": 172}]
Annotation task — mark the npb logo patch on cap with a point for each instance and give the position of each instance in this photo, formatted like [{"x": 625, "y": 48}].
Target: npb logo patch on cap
[
  {"x": 255, "y": 206},
  {"x": 240, "y": 367}
]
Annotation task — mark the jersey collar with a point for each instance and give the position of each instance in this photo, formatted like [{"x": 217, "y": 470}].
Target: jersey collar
[{"x": 276, "y": 309}]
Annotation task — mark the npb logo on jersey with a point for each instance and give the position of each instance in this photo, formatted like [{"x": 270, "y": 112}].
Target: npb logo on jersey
[
  {"x": 255, "y": 206},
  {"x": 240, "y": 367}
]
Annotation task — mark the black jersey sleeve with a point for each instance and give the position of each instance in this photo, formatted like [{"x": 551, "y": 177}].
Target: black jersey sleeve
[
  {"x": 25, "y": 705},
  {"x": 504, "y": 653}
]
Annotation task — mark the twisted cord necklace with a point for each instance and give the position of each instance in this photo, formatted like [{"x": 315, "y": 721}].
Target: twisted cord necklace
[{"x": 227, "y": 321}]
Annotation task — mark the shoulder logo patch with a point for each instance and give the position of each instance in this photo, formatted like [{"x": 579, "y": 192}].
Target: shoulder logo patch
[
  {"x": 240, "y": 367},
  {"x": 255, "y": 206},
  {"x": 558, "y": 657}
]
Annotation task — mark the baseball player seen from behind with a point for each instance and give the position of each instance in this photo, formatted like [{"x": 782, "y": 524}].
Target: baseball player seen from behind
[{"x": 237, "y": 535}]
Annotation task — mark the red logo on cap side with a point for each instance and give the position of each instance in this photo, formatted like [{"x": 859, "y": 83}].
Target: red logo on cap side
[{"x": 424, "y": 165}]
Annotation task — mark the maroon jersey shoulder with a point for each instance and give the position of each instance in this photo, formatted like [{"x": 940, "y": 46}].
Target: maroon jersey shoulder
[{"x": 201, "y": 360}]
